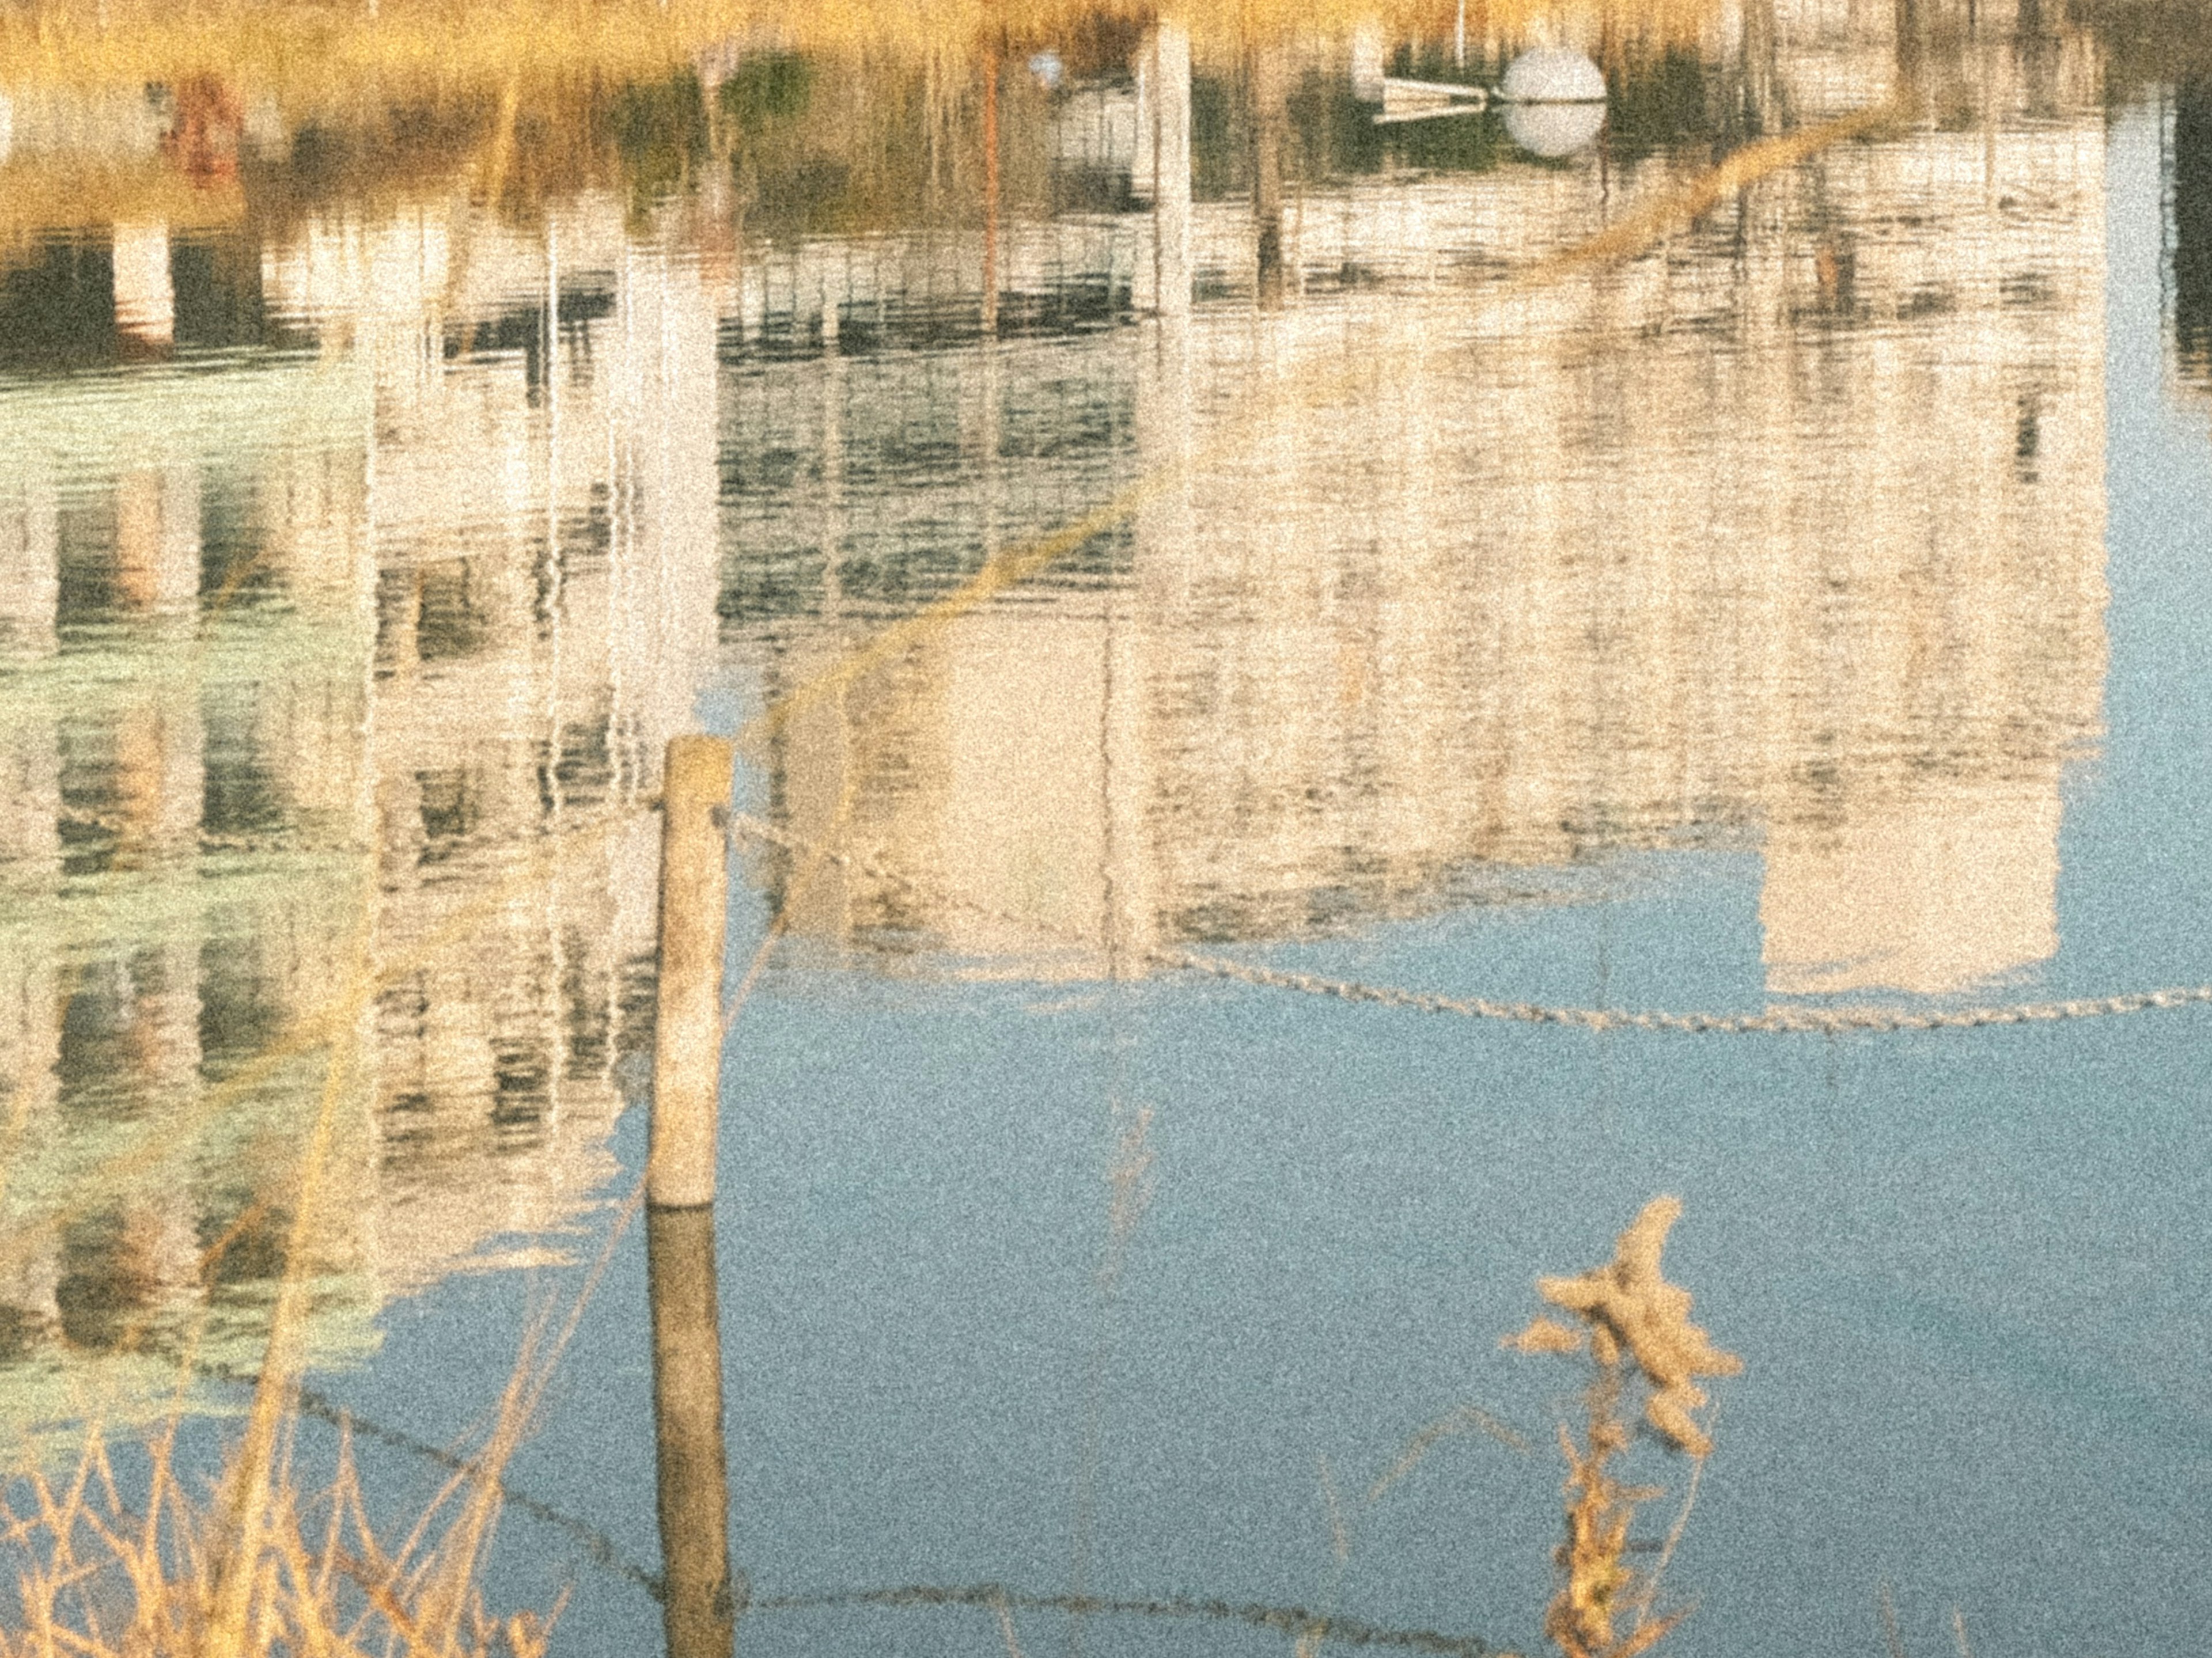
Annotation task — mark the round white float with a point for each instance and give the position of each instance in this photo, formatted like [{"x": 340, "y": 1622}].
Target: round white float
[
  {"x": 1552, "y": 75},
  {"x": 1552, "y": 130}
]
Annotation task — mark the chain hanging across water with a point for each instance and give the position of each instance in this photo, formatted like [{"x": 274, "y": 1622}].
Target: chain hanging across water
[{"x": 1782, "y": 1021}]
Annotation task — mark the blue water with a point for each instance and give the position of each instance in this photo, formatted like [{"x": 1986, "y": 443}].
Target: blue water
[{"x": 1965, "y": 1271}]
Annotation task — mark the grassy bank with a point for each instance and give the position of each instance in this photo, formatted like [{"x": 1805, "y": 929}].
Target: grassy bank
[{"x": 315, "y": 55}]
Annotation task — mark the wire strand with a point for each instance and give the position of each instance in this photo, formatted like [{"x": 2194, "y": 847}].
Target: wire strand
[{"x": 1779, "y": 1021}]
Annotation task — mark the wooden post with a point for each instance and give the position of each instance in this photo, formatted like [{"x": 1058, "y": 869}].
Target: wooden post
[
  {"x": 687, "y": 1044},
  {"x": 698, "y": 1606}
]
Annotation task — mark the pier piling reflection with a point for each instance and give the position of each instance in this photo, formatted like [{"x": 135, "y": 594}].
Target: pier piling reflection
[{"x": 699, "y": 1602}]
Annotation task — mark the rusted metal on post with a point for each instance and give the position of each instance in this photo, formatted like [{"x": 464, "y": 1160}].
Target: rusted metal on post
[
  {"x": 687, "y": 1044},
  {"x": 699, "y": 1602}
]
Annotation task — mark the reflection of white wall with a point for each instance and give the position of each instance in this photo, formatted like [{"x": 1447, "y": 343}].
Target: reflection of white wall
[
  {"x": 1798, "y": 529},
  {"x": 1928, "y": 895},
  {"x": 30, "y": 571},
  {"x": 1094, "y": 126},
  {"x": 1012, "y": 698},
  {"x": 40, "y": 121},
  {"x": 1161, "y": 169},
  {"x": 471, "y": 462},
  {"x": 575, "y": 518},
  {"x": 157, "y": 535},
  {"x": 573, "y": 513},
  {"x": 145, "y": 299}
]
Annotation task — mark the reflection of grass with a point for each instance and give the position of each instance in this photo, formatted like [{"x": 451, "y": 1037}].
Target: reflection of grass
[
  {"x": 834, "y": 116},
  {"x": 39, "y": 195}
]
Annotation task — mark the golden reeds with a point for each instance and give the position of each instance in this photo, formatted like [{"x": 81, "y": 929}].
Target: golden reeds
[
  {"x": 98, "y": 1573},
  {"x": 259, "y": 1561},
  {"x": 301, "y": 50},
  {"x": 1634, "y": 1328},
  {"x": 256, "y": 1563}
]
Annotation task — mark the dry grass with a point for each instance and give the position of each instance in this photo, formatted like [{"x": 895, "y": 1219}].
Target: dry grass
[
  {"x": 324, "y": 54},
  {"x": 162, "y": 1572},
  {"x": 256, "y": 1562},
  {"x": 1634, "y": 1328}
]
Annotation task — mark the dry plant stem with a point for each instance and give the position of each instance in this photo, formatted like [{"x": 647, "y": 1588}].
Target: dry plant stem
[
  {"x": 1343, "y": 1527},
  {"x": 1417, "y": 1449},
  {"x": 250, "y": 1493},
  {"x": 1634, "y": 1329},
  {"x": 1005, "y": 1616},
  {"x": 95, "y": 1580},
  {"x": 1658, "y": 1572},
  {"x": 1599, "y": 1513}
]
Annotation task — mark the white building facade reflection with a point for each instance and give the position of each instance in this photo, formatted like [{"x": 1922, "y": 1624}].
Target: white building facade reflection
[{"x": 1786, "y": 536}]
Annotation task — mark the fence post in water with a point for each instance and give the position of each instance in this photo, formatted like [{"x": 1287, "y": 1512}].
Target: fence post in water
[
  {"x": 687, "y": 1041},
  {"x": 698, "y": 1605},
  {"x": 698, "y": 1608}
]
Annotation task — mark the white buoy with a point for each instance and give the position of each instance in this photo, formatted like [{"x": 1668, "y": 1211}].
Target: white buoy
[
  {"x": 1552, "y": 75},
  {"x": 1552, "y": 130},
  {"x": 1554, "y": 101}
]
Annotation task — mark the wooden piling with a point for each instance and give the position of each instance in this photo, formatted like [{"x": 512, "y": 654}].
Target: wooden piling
[
  {"x": 699, "y": 1606},
  {"x": 687, "y": 1044}
]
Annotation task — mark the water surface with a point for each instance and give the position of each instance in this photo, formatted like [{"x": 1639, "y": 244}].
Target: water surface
[{"x": 1802, "y": 612}]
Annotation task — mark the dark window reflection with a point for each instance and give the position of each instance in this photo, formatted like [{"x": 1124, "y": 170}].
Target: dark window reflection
[{"x": 2192, "y": 225}]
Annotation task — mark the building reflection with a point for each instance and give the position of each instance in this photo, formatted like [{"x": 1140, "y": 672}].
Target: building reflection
[
  {"x": 2188, "y": 227},
  {"x": 1788, "y": 537},
  {"x": 1791, "y": 539},
  {"x": 327, "y": 648}
]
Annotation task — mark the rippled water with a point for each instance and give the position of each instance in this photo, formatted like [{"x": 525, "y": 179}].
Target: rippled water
[{"x": 1802, "y": 611}]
